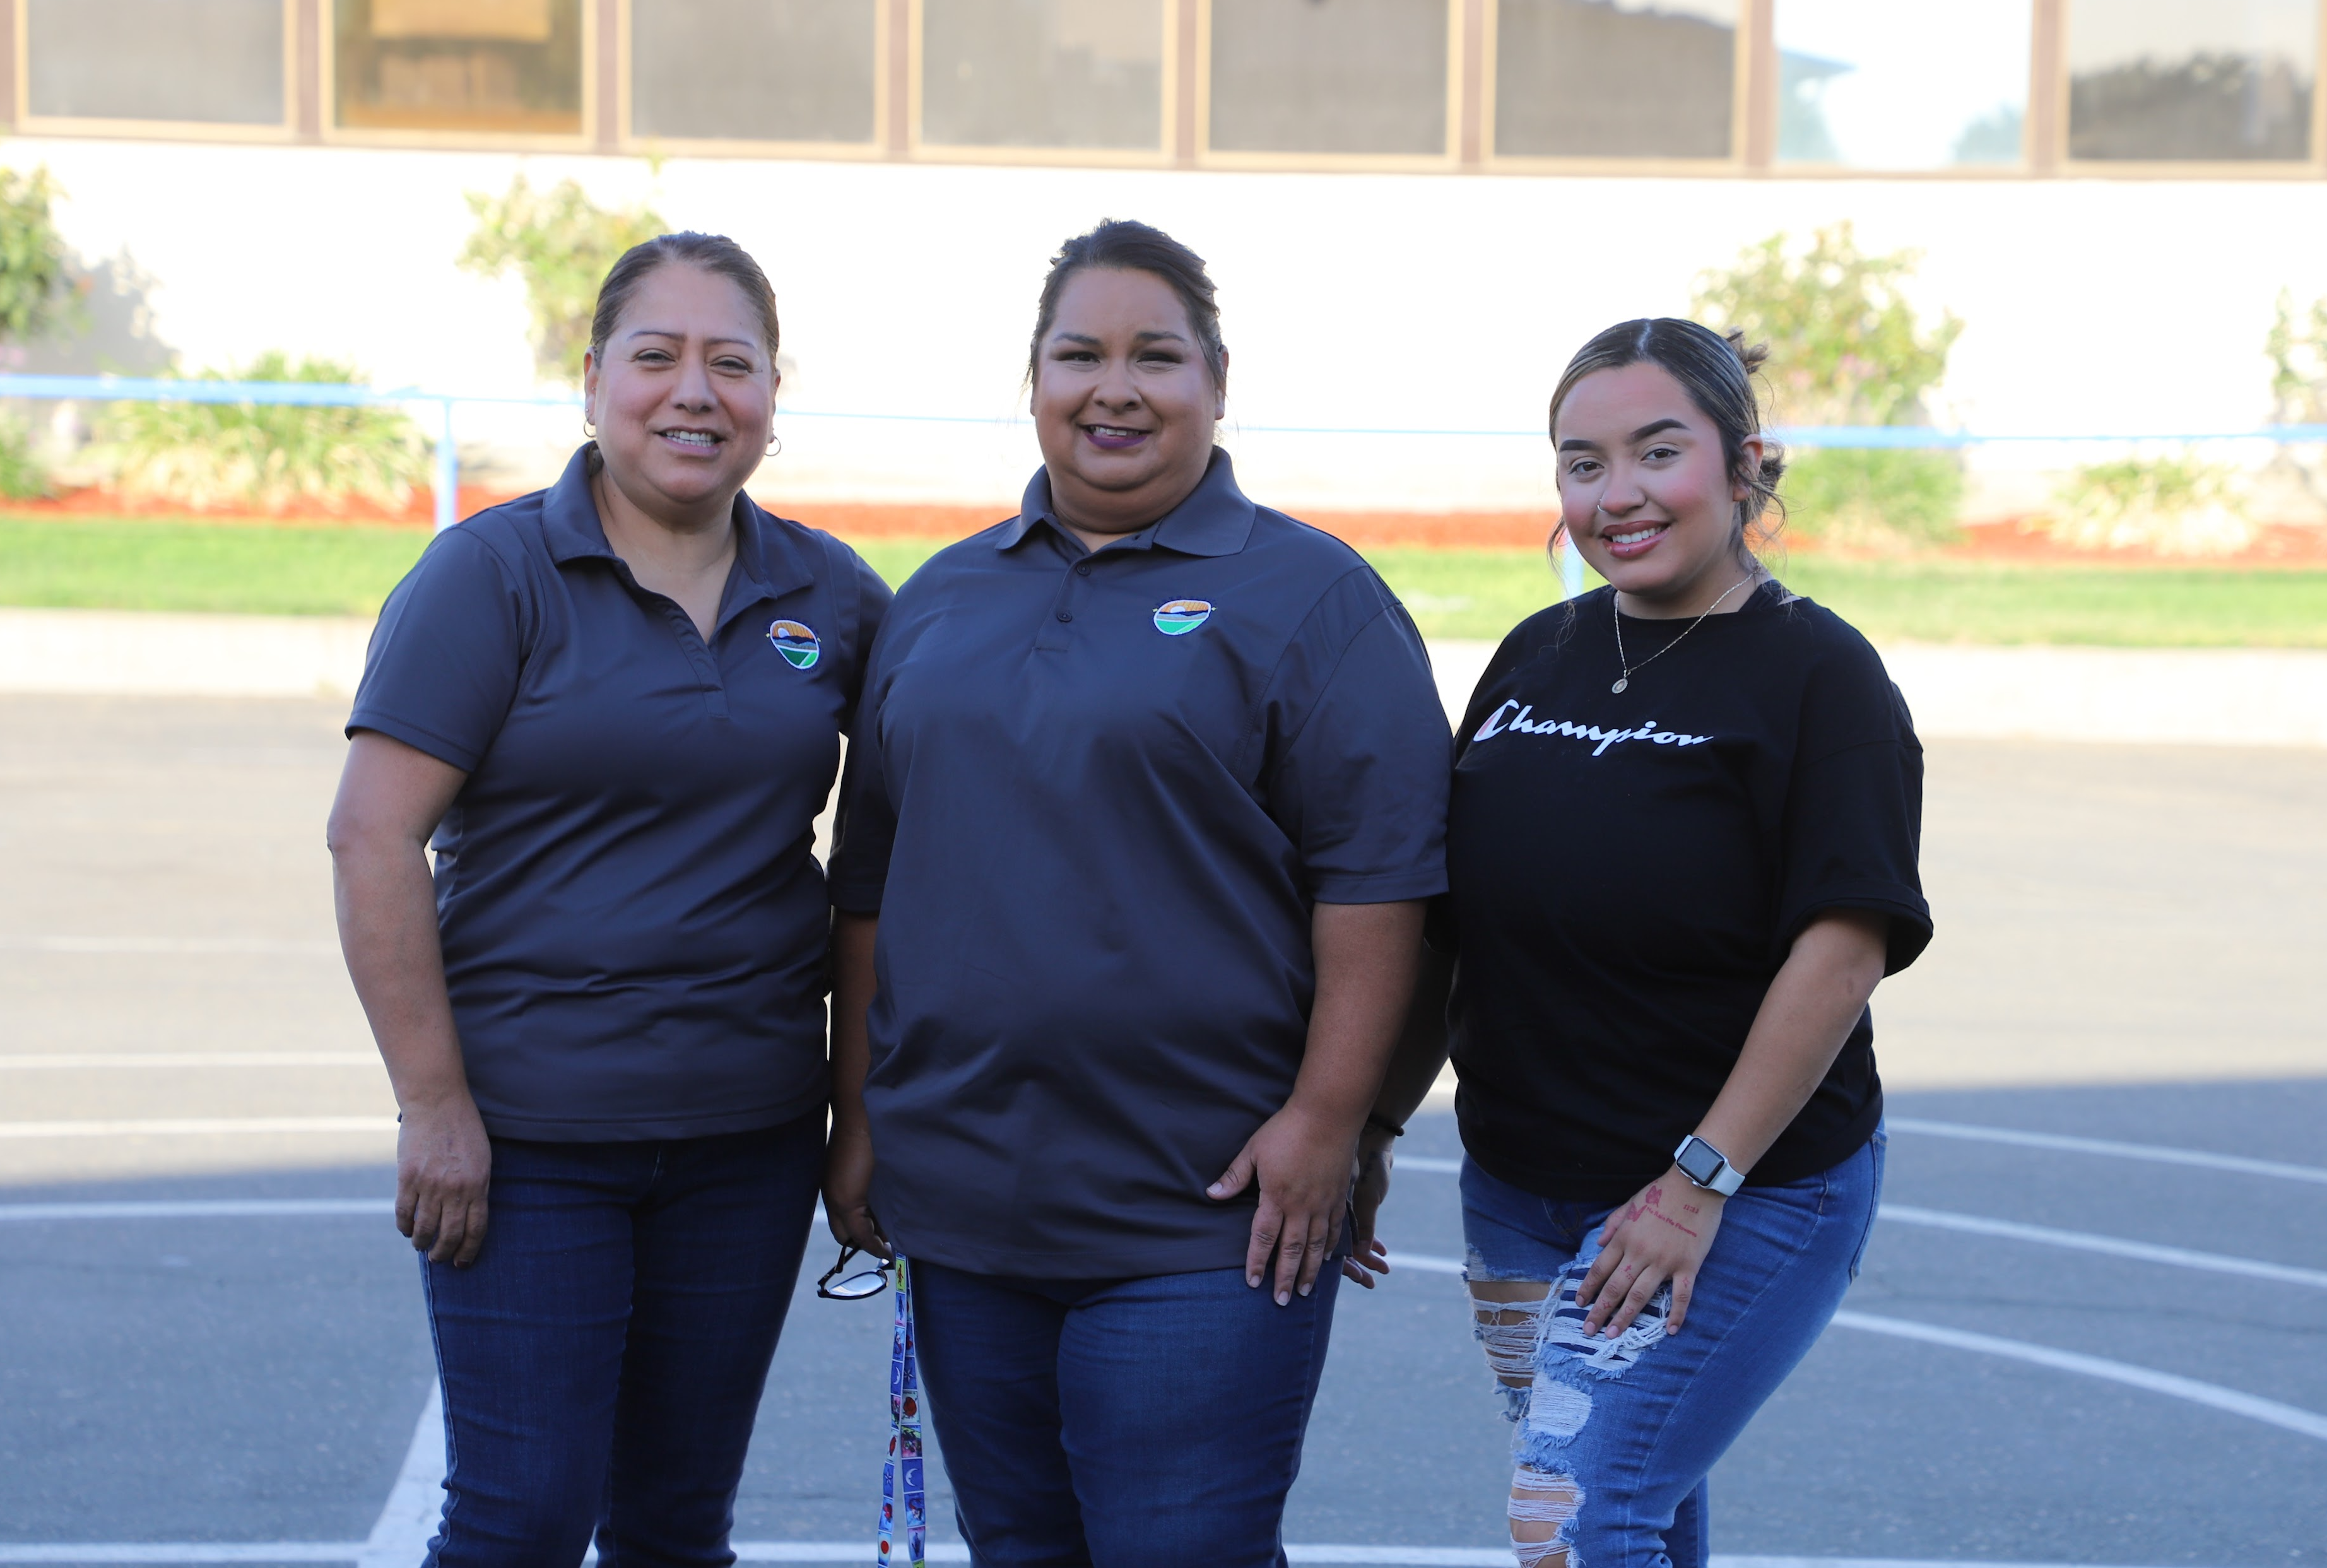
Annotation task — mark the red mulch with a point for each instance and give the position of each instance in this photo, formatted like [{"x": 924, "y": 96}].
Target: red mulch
[{"x": 2017, "y": 541}]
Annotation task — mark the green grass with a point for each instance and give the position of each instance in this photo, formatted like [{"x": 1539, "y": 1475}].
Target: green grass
[
  {"x": 135, "y": 564},
  {"x": 1476, "y": 594}
]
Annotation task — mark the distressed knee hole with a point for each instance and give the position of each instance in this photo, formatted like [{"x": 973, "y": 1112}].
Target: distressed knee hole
[
  {"x": 1543, "y": 1506},
  {"x": 1557, "y": 1410},
  {"x": 1508, "y": 1318}
]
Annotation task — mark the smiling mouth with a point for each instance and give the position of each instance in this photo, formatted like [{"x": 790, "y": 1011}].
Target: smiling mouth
[
  {"x": 1115, "y": 435},
  {"x": 699, "y": 440},
  {"x": 1640, "y": 535}
]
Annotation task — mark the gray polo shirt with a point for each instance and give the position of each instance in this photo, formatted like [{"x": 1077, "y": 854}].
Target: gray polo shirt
[
  {"x": 1095, "y": 798},
  {"x": 634, "y": 926}
]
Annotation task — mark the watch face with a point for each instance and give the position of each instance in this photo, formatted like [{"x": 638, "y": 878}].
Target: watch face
[{"x": 1698, "y": 1161}]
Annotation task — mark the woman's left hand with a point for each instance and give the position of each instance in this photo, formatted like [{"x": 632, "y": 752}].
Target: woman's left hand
[
  {"x": 1303, "y": 1164},
  {"x": 1662, "y": 1234}
]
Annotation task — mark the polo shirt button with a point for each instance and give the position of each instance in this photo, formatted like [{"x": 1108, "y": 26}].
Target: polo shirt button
[
  {"x": 1082, "y": 568},
  {"x": 1065, "y": 615}
]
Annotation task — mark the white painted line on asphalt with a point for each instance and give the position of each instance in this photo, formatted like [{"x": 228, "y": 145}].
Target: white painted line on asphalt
[
  {"x": 2085, "y": 1241},
  {"x": 2160, "y": 1153},
  {"x": 76, "y": 1060},
  {"x": 2270, "y": 1412},
  {"x": 197, "y": 1126},
  {"x": 178, "y": 1551},
  {"x": 858, "y": 1552},
  {"x": 400, "y": 1536},
  {"x": 214, "y": 946},
  {"x": 198, "y": 1208},
  {"x": 1421, "y": 1264},
  {"x": 1430, "y": 1163}
]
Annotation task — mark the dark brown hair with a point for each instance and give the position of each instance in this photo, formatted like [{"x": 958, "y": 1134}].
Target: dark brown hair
[
  {"x": 711, "y": 253},
  {"x": 1716, "y": 371},
  {"x": 1131, "y": 247}
]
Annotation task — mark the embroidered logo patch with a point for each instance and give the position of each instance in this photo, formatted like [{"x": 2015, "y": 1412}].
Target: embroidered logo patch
[
  {"x": 1181, "y": 616},
  {"x": 797, "y": 643}
]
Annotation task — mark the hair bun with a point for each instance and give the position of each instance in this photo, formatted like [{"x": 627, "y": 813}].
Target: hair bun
[{"x": 1752, "y": 356}]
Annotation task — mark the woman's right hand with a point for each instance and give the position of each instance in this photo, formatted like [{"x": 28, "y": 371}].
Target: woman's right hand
[
  {"x": 848, "y": 1190},
  {"x": 443, "y": 1166}
]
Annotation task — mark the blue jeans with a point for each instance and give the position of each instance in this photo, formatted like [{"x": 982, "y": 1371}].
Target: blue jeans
[
  {"x": 602, "y": 1357},
  {"x": 1616, "y": 1435},
  {"x": 1097, "y": 1422}
]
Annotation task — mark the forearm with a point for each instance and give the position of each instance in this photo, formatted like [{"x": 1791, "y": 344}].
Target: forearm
[
  {"x": 851, "y": 993},
  {"x": 386, "y": 909},
  {"x": 1366, "y": 957},
  {"x": 1420, "y": 1054},
  {"x": 1808, "y": 1011}
]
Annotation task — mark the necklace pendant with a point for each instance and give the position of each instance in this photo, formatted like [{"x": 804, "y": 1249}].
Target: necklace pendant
[{"x": 1622, "y": 682}]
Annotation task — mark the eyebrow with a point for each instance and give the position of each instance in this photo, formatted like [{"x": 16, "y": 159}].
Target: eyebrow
[
  {"x": 1137, "y": 338},
  {"x": 668, "y": 332},
  {"x": 1651, "y": 428}
]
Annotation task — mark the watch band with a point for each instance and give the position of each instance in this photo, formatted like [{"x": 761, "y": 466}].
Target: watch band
[{"x": 1707, "y": 1167}]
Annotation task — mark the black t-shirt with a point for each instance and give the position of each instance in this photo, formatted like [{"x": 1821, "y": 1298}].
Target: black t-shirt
[{"x": 1628, "y": 871}]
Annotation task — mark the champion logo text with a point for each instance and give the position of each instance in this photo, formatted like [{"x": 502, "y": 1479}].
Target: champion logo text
[{"x": 1512, "y": 718}]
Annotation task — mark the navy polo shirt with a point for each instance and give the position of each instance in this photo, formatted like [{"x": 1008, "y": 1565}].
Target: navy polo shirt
[
  {"x": 634, "y": 923},
  {"x": 1095, "y": 796}
]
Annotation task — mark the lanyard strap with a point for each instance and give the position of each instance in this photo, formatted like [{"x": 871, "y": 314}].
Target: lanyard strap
[{"x": 901, "y": 1472}]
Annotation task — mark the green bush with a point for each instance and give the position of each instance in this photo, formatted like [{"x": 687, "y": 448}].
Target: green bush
[
  {"x": 1846, "y": 348},
  {"x": 2174, "y": 506},
  {"x": 23, "y": 475},
  {"x": 272, "y": 455},
  {"x": 37, "y": 278},
  {"x": 562, "y": 244},
  {"x": 1874, "y": 497}
]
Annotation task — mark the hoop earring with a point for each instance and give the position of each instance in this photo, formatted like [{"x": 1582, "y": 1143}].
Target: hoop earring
[
  {"x": 589, "y": 432},
  {"x": 777, "y": 447}
]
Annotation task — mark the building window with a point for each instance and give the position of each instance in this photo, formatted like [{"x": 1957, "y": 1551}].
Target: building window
[
  {"x": 2164, "y": 80},
  {"x": 1614, "y": 78},
  {"x": 1891, "y": 84},
  {"x": 1328, "y": 76},
  {"x": 752, "y": 71},
  {"x": 501, "y": 67},
  {"x": 1043, "y": 73},
  {"x": 216, "y": 63}
]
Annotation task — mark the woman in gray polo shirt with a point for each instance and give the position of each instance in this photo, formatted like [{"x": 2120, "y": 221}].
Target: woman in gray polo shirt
[{"x": 614, "y": 709}]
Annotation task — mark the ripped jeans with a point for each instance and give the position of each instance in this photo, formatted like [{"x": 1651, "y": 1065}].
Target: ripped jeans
[{"x": 1614, "y": 1436}]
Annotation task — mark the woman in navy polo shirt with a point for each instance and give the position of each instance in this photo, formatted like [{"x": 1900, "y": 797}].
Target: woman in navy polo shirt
[
  {"x": 614, "y": 709},
  {"x": 1149, "y": 790}
]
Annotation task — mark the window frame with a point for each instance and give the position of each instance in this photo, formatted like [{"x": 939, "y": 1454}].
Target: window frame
[
  {"x": 330, "y": 132},
  {"x": 920, "y": 151},
  {"x": 627, "y": 138},
  {"x": 1448, "y": 160},
  {"x": 1741, "y": 114},
  {"x": 37, "y": 125},
  {"x": 2311, "y": 167}
]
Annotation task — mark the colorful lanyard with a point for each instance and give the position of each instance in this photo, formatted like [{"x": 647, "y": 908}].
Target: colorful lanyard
[{"x": 901, "y": 1472}]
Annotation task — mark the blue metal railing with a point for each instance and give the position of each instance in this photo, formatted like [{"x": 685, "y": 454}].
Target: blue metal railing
[{"x": 324, "y": 394}]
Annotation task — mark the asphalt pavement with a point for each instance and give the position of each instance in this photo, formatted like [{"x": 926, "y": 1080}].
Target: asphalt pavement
[{"x": 2091, "y": 1329}]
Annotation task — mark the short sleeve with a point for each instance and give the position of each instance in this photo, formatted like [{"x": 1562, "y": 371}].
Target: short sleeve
[
  {"x": 1361, "y": 789},
  {"x": 864, "y": 822},
  {"x": 1854, "y": 815},
  {"x": 444, "y": 659}
]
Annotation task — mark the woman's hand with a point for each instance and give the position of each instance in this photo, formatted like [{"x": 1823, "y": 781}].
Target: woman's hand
[
  {"x": 848, "y": 1189},
  {"x": 1302, "y": 1162},
  {"x": 1662, "y": 1234},
  {"x": 1368, "y": 1255},
  {"x": 443, "y": 1166}
]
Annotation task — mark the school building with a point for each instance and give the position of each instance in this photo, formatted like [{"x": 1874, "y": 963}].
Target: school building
[{"x": 1416, "y": 209}]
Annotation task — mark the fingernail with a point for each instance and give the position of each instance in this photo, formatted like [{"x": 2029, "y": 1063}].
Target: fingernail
[
  {"x": 1282, "y": 1299},
  {"x": 1252, "y": 1281},
  {"x": 1306, "y": 1289}
]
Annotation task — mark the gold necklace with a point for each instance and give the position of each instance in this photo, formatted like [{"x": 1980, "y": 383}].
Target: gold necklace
[{"x": 1625, "y": 680}]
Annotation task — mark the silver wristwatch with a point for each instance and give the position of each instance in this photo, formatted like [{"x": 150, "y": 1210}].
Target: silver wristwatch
[{"x": 1707, "y": 1166}]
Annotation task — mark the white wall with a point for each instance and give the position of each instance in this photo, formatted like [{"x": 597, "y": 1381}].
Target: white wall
[{"x": 1351, "y": 301}]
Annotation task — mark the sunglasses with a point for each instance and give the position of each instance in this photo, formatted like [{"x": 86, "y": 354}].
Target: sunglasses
[{"x": 858, "y": 1276}]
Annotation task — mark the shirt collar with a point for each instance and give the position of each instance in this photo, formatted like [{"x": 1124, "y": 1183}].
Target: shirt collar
[
  {"x": 1215, "y": 519},
  {"x": 767, "y": 563}
]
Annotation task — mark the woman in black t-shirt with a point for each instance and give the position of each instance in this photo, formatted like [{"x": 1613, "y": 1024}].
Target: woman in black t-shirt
[{"x": 1681, "y": 853}]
